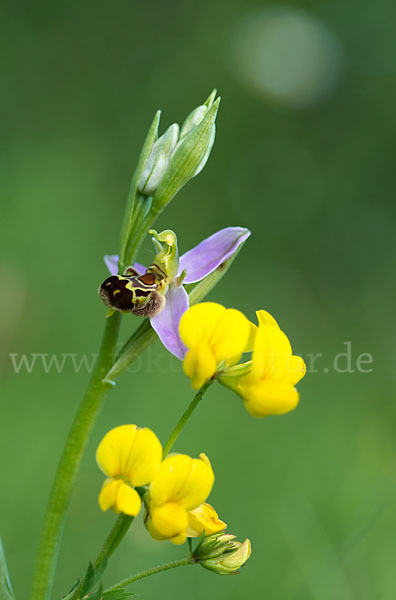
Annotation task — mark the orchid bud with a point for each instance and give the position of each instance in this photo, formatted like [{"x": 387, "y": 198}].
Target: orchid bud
[
  {"x": 158, "y": 161},
  {"x": 189, "y": 156},
  {"x": 193, "y": 119},
  {"x": 196, "y": 116}
]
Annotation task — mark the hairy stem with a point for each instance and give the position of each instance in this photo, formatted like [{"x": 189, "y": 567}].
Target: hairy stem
[{"x": 166, "y": 567}]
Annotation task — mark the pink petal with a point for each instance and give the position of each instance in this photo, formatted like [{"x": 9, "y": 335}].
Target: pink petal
[
  {"x": 212, "y": 252},
  {"x": 166, "y": 323}
]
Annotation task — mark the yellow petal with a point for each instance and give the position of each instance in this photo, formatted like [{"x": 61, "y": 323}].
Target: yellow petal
[
  {"x": 296, "y": 369},
  {"x": 184, "y": 480},
  {"x": 199, "y": 321},
  {"x": 264, "y": 318},
  {"x": 268, "y": 397},
  {"x": 172, "y": 474},
  {"x": 131, "y": 452},
  {"x": 114, "y": 449},
  {"x": 204, "y": 518},
  {"x": 144, "y": 458},
  {"x": 248, "y": 347},
  {"x": 252, "y": 335},
  {"x": 128, "y": 500},
  {"x": 199, "y": 364},
  {"x": 108, "y": 494},
  {"x": 230, "y": 336},
  {"x": 170, "y": 519},
  {"x": 179, "y": 539},
  {"x": 271, "y": 353},
  {"x": 198, "y": 484},
  {"x": 156, "y": 535}
]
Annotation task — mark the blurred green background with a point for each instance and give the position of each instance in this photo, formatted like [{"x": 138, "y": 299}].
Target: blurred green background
[{"x": 304, "y": 157}]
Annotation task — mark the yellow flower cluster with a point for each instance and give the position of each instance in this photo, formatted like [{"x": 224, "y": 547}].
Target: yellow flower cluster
[
  {"x": 131, "y": 457},
  {"x": 177, "y": 507},
  {"x": 217, "y": 337},
  {"x": 175, "y": 489}
]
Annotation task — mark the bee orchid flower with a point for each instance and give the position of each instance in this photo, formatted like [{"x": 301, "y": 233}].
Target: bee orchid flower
[{"x": 193, "y": 266}]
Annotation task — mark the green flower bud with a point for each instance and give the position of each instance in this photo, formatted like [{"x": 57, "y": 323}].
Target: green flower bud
[
  {"x": 216, "y": 545},
  {"x": 189, "y": 157},
  {"x": 229, "y": 562},
  {"x": 158, "y": 161},
  {"x": 193, "y": 119}
]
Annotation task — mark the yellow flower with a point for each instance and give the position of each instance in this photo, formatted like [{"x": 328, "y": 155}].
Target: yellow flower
[
  {"x": 213, "y": 335},
  {"x": 181, "y": 485},
  {"x": 130, "y": 456},
  {"x": 268, "y": 389}
]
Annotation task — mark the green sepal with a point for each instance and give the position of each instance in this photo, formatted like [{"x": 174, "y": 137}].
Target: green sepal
[
  {"x": 121, "y": 594},
  {"x": 90, "y": 579},
  {"x": 238, "y": 370},
  {"x": 98, "y": 595},
  {"x": 199, "y": 544},
  {"x": 6, "y": 592},
  {"x": 230, "y": 376},
  {"x": 211, "y": 98}
]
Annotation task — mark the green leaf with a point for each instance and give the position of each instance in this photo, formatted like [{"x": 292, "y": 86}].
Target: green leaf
[
  {"x": 89, "y": 580},
  {"x": 199, "y": 544},
  {"x": 6, "y": 592},
  {"x": 71, "y": 593},
  {"x": 121, "y": 594},
  {"x": 98, "y": 595}
]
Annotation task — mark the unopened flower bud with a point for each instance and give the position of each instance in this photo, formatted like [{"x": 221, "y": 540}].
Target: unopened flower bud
[
  {"x": 216, "y": 545},
  {"x": 193, "y": 119},
  {"x": 158, "y": 161},
  {"x": 188, "y": 158},
  {"x": 229, "y": 562}
]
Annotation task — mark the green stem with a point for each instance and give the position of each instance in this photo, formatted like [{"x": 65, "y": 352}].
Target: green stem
[
  {"x": 114, "y": 538},
  {"x": 142, "y": 338},
  {"x": 70, "y": 462},
  {"x": 166, "y": 567},
  {"x": 186, "y": 415},
  {"x": 111, "y": 543}
]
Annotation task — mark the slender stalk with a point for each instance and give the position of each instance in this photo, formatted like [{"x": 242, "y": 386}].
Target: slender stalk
[
  {"x": 141, "y": 339},
  {"x": 186, "y": 415},
  {"x": 70, "y": 462},
  {"x": 111, "y": 543},
  {"x": 166, "y": 567},
  {"x": 114, "y": 538}
]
